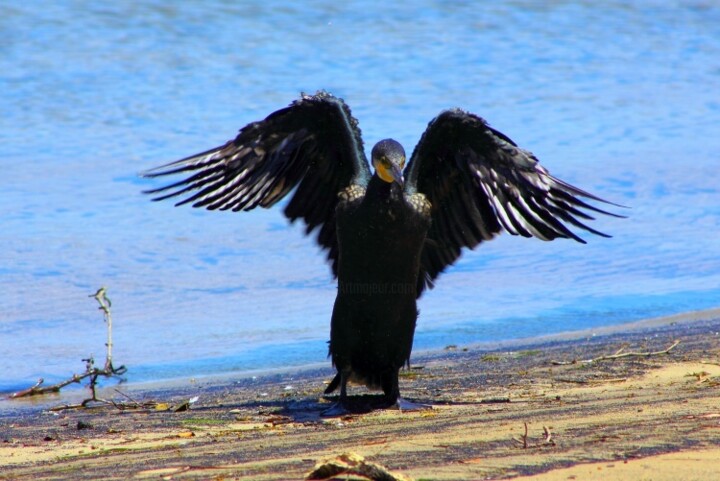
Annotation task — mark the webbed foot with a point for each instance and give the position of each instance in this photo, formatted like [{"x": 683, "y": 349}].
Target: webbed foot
[
  {"x": 347, "y": 407},
  {"x": 336, "y": 410},
  {"x": 405, "y": 405}
]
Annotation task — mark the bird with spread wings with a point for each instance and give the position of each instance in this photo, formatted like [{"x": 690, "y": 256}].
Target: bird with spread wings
[{"x": 390, "y": 232}]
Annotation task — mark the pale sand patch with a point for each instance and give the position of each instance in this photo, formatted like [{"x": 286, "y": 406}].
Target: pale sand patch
[
  {"x": 97, "y": 446},
  {"x": 701, "y": 465}
]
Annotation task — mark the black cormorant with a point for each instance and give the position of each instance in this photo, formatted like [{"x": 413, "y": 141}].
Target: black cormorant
[{"x": 388, "y": 233}]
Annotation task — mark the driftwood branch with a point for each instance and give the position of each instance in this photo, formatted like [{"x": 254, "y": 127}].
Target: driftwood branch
[
  {"x": 91, "y": 371},
  {"x": 618, "y": 354}
]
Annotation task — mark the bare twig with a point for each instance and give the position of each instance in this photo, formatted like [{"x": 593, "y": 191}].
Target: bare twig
[
  {"x": 619, "y": 354},
  {"x": 127, "y": 396},
  {"x": 90, "y": 370},
  {"x": 38, "y": 389},
  {"x": 591, "y": 381},
  {"x": 105, "y": 304},
  {"x": 30, "y": 390},
  {"x": 524, "y": 438}
]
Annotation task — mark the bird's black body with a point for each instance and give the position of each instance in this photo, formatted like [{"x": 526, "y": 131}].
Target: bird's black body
[
  {"x": 390, "y": 233},
  {"x": 380, "y": 236}
]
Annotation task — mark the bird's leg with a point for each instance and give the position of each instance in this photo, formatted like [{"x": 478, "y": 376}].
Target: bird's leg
[
  {"x": 392, "y": 395},
  {"x": 341, "y": 407},
  {"x": 333, "y": 384},
  {"x": 343, "y": 388}
]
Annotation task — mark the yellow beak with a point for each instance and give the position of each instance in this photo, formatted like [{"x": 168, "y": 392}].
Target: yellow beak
[{"x": 391, "y": 173}]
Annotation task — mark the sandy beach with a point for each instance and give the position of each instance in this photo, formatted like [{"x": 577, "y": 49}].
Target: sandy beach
[{"x": 631, "y": 404}]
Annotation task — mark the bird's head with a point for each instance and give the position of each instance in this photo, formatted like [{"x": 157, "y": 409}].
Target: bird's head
[{"x": 388, "y": 158}]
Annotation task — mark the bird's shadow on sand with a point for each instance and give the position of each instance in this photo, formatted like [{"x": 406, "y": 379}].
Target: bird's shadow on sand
[{"x": 315, "y": 409}]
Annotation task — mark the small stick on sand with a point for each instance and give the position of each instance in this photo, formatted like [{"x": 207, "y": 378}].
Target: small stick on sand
[
  {"x": 524, "y": 438},
  {"x": 619, "y": 354}
]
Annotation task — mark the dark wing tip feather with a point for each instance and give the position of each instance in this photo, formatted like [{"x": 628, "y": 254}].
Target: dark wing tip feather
[
  {"x": 186, "y": 164},
  {"x": 583, "y": 193}
]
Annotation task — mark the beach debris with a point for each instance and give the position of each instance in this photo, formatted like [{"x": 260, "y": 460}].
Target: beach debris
[
  {"x": 491, "y": 358},
  {"x": 523, "y": 440},
  {"x": 91, "y": 371},
  {"x": 101, "y": 297},
  {"x": 705, "y": 377},
  {"x": 495, "y": 400},
  {"x": 84, "y": 425},
  {"x": 548, "y": 436},
  {"x": 348, "y": 464},
  {"x": 591, "y": 381},
  {"x": 618, "y": 354},
  {"x": 185, "y": 405}
]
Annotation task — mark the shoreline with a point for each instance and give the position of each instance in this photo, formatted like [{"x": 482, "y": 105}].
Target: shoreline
[
  {"x": 614, "y": 412},
  {"x": 75, "y": 392}
]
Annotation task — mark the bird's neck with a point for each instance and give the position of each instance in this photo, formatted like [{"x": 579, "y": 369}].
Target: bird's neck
[{"x": 380, "y": 189}]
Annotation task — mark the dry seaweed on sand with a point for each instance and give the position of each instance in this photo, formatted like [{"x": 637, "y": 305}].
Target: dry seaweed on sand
[{"x": 351, "y": 464}]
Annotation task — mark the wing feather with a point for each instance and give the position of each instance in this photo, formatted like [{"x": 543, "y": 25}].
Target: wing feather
[
  {"x": 479, "y": 183},
  {"x": 313, "y": 146}
]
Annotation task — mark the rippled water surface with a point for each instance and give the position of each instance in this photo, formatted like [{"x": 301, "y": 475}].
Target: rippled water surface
[{"x": 620, "y": 98}]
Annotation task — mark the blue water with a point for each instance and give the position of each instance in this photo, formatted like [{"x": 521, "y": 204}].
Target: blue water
[{"x": 621, "y": 98}]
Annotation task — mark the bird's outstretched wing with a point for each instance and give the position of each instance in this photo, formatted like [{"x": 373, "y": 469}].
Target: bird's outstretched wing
[
  {"x": 314, "y": 144},
  {"x": 479, "y": 183}
]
